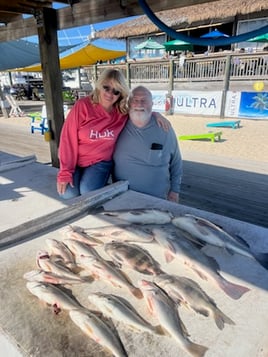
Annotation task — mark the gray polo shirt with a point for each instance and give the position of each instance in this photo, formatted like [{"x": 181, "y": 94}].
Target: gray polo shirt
[{"x": 149, "y": 159}]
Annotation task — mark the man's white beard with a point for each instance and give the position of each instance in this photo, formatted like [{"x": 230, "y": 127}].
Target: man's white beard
[{"x": 141, "y": 116}]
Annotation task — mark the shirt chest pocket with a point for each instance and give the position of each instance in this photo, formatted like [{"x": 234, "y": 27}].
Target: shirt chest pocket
[{"x": 155, "y": 157}]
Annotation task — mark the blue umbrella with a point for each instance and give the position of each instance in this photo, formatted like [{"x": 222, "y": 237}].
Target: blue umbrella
[{"x": 214, "y": 34}]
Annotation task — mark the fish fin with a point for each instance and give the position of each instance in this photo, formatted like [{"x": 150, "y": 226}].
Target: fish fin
[
  {"x": 262, "y": 259},
  {"x": 234, "y": 291},
  {"x": 169, "y": 256},
  {"x": 229, "y": 251},
  {"x": 220, "y": 319},
  {"x": 184, "y": 329},
  {"x": 201, "y": 311},
  {"x": 196, "y": 350},
  {"x": 200, "y": 274},
  {"x": 51, "y": 279},
  {"x": 89, "y": 330},
  {"x": 194, "y": 240},
  {"x": 160, "y": 331},
  {"x": 242, "y": 241},
  {"x": 137, "y": 293}
]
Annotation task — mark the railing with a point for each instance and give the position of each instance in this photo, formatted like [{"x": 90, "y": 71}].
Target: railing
[{"x": 242, "y": 67}]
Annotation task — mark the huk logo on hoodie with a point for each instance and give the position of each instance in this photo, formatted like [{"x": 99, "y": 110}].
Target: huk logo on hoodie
[{"x": 108, "y": 134}]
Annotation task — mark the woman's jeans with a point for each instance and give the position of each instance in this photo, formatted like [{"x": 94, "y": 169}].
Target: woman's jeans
[{"x": 86, "y": 179}]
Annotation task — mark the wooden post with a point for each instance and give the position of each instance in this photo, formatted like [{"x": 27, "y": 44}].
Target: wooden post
[
  {"x": 128, "y": 79},
  {"x": 225, "y": 85},
  {"x": 171, "y": 77},
  {"x": 2, "y": 103},
  {"x": 52, "y": 79}
]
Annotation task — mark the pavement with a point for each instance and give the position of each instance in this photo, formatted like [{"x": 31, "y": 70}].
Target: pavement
[
  {"x": 29, "y": 202},
  {"x": 31, "y": 210}
]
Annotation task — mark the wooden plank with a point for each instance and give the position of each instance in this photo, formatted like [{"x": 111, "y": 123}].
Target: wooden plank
[
  {"x": 233, "y": 193},
  {"x": 77, "y": 208}
]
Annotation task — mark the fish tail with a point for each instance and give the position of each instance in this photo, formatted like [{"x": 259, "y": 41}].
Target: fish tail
[
  {"x": 159, "y": 330},
  {"x": 262, "y": 259},
  {"x": 221, "y": 319},
  {"x": 234, "y": 291},
  {"x": 196, "y": 350},
  {"x": 137, "y": 293}
]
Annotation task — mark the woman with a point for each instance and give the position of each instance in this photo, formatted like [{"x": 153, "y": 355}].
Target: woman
[{"x": 89, "y": 136}]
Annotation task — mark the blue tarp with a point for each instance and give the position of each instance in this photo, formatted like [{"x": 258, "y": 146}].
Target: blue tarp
[{"x": 20, "y": 53}]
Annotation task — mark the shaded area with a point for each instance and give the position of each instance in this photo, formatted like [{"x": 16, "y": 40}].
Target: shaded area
[{"x": 233, "y": 193}]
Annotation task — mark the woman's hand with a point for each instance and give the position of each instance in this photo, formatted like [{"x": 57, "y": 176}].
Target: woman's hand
[
  {"x": 162, "y": 121},
  {"x": 61, "y": 187},
  {"x": 173, "y": 196}
]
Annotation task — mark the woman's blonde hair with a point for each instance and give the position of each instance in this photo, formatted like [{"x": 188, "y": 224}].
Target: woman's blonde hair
[{"x": 119, "y": 83}]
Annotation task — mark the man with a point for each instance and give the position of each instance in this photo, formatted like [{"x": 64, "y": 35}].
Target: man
[{"x": 147, "y": 156}]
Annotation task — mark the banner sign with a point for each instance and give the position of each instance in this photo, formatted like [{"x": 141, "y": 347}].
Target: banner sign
[
  {"x": 232, "y": 104},
  {"x": 159, "y": 99},
  {"x": 254, "y": 105},
  {"x": 250, "y": 105},
  {"x": 197, "y": 103}
]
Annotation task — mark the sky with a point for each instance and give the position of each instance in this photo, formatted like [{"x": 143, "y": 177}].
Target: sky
[{"x": 77, "y": 35}]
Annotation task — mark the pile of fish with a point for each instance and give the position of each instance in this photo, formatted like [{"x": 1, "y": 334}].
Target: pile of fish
[{"x": 110, "y": 253}]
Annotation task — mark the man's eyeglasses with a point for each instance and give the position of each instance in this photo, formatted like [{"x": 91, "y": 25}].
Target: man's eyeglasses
[{"x": 111, "y": 90}]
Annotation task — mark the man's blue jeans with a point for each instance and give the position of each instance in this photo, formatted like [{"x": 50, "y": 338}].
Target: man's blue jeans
[{"x": 88, "y": 179}]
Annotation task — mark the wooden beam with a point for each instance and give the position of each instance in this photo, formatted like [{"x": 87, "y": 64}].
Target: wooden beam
[
  {"x": 52, "y": 79},
  {"x": 91, "y": 12}
]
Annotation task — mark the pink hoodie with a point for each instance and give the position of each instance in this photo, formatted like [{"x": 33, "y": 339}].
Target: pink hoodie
[{"x": 88, "y": 136}]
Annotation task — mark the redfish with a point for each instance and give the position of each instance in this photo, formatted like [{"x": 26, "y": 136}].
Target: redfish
[
  {"x": 187, "y": 292},
  {"x": 52, "y": 295},
  {"x": 207, "y": 232},
  {"x": 141, "y": 216},
  {"x": 206, "y": 267},
  {"x": 49, "y": 277},
  {"x": 120, "y": 309},
  {"x": 99, "y": 331},
  {"x": 102, "y": 269},
  {"x": 164, "y": 309}
]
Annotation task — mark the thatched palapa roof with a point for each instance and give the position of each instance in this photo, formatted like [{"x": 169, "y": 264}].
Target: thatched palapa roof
[{"x": 182, "y": 18}]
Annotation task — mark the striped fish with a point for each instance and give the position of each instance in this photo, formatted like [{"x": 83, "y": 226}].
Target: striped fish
[{"x": 133, "y": 257}]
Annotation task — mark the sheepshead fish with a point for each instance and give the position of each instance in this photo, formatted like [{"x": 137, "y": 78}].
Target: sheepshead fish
[
  {"x": 49, "y": 277},
  {"x": 133, "y": 257},
  {"x": 52, "y": 295},
  {"x": 79, "y": 248},
  {"x": 206, "y": 267},
  {"x": 130, "y": 233},
  {"x": 105, "y": 270},
  {"x": 59, "y": 249},
  {"x": 186, "y": 291},
  {"x": 119, "y": 309},
  {"x": 99, "y": 331},
  {"x": 207, "y": 232},
  {"x": 80, "y": 235},
  {"x": 165, "y": 310},
  {"x": 141, "y": 216},
  {"x": 45, "y": 263}
]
